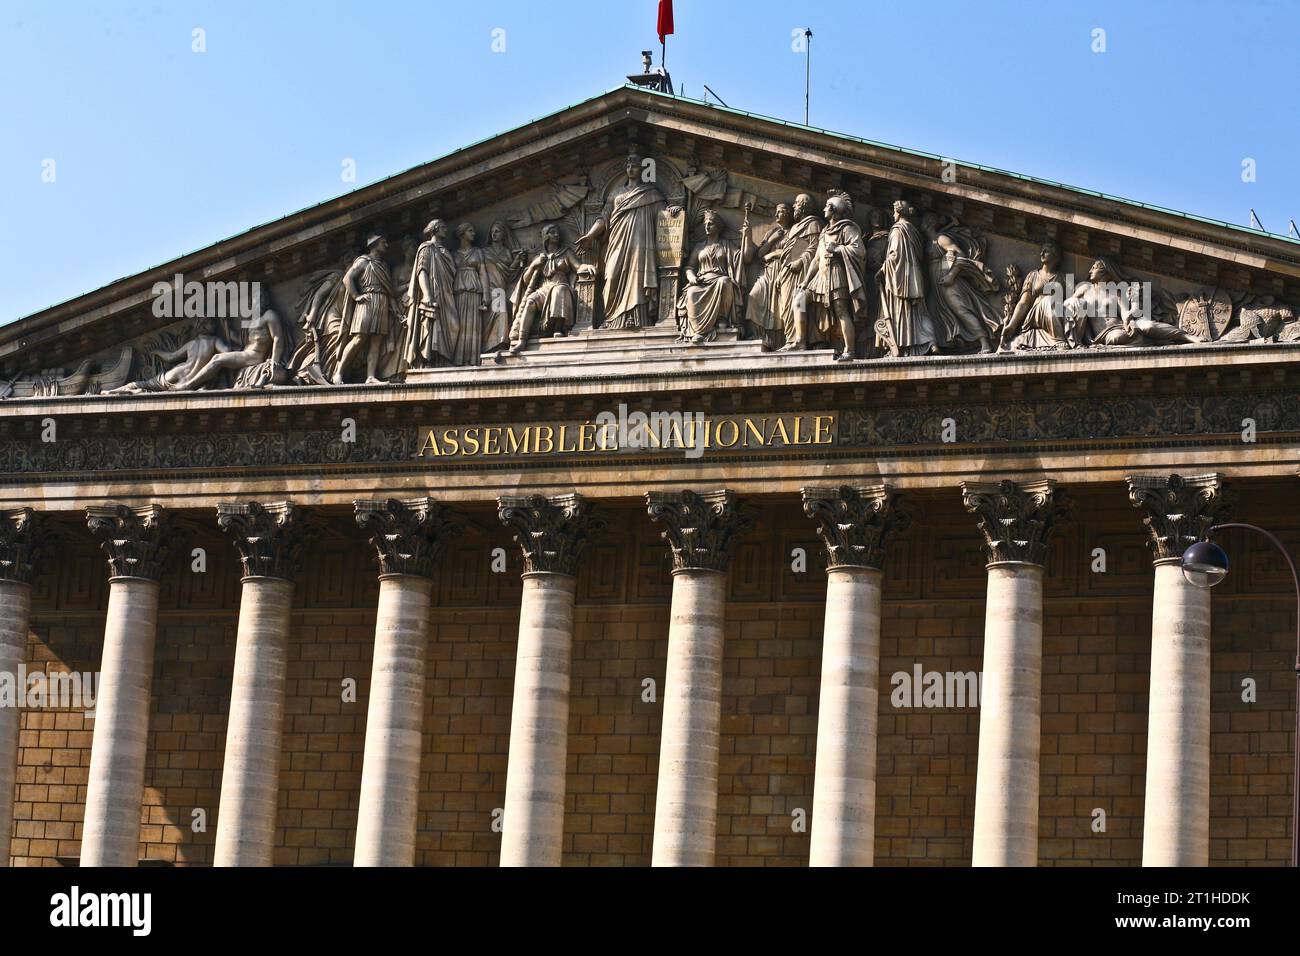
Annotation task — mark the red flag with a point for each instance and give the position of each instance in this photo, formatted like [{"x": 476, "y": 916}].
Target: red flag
[{"x": 665, "y": 19}]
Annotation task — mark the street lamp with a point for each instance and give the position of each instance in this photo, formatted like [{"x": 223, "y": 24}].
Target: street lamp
[{"x": 1205, "y": 564}]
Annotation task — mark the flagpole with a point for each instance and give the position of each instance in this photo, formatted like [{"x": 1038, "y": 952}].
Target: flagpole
[{"x": 807, "y": 71}]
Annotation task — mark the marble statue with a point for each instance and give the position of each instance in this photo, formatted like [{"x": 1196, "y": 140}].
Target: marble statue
[
  {"x": 712, "y": 291},
  {"x": 630, "y": 284},
  {"x": 1109, "y": 309},
  {"x": 761, "y": 314},
  {"x": 1038, "y": 320},
  {"x": 263, "y": 360},
  {"x": 961, "y": 284},
  {"x": 190, "y": 356},
  {"x": 546, "y": 298},
  {"x": 320, "y": 317},
  {"x": 369, "y": 316},
  {"x": 504, "y": 261},
  {"x": 795, "y": 255},
  {"x": 837, "y": 284},
  {"x": 905, "y": 326},
  {"x": 473, "y": 290},
  {"x": 432, "y": 317}
]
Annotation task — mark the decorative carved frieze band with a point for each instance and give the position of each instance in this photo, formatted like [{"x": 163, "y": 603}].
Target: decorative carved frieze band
[
  {"x": 24, "y": 542},
  {"x": 1017, "y": 519},
  {"x": 701, "y": 529},
  {"x": 551, "y": 531},
  {"x": 1179, "y": 511},
  {"x": 407, "y": 533},
  {"x": 269, "y": 537},
  {"x": 855, "y": 524},
  {"x": 136, "y": 540},
  {"x": 1139, "y": 421}
]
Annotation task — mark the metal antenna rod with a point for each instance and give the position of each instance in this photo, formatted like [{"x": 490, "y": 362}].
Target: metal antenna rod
[{"x": 807, "y": 71}]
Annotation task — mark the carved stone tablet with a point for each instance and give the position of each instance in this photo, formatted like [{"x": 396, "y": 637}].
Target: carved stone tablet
[{"x": 670, "y": 239}]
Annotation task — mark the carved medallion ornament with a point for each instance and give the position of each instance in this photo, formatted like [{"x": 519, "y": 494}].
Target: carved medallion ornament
[
  {"x": 855, "y": 524},
  {"x": 137, "y": 541},
  {"x": 24, "y": 542},
  {"x": 701, "y": 529},
  {"x": 1017, "y": 519},
  {"x": 551, "y": 531},
  {"x": 269, "y": 537},
  {"x": 1179, "y": 511},
  {"x": 407, "y": 533}
]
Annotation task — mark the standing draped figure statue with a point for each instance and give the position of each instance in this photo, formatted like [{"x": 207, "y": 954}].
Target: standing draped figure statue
[
  {"x": 905, "y": 326},
  {"x": 433, "y": 323},
  {"x": 504, "y": 260},
  {"x": 961, "y": 284},
  {"x": 369, "y": 320},
  {"x": 837, "y": 283},
  {"x": 472, "y": 292},
  {"x": 794, "y": 262},
  {"x": 760, "y": 305},
  {"x": 630, "y": 287}
]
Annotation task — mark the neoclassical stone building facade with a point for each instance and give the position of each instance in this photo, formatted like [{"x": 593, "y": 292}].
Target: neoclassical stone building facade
[{"x": 658, "y": 484}]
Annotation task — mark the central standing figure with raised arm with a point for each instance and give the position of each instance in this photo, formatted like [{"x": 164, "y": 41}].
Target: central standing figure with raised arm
[{"x": 630, "y": 290}]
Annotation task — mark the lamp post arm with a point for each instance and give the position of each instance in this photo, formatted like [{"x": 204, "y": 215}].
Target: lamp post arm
[
  {"x": 1295, "y": 577},
  {"x": 1295, "y": 781}
]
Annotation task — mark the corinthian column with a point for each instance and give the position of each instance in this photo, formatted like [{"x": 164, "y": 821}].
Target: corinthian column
[
  {"x": 22, "y": 541},
  {"x": 701, "y": 530},
  {"x": 407, "y": 536},
  {"x": 136, "y": 542},
  {"x": 552, "y": 533},
  {"x": 855, "y": 525},
  {"x": 269, "y": 539},
  {"x": 1017, "y": 521},
  {"x": 1176, "y": 820}
]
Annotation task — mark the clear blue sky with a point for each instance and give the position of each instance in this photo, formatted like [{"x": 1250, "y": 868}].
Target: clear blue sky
[{"x": 159, "y": 150}]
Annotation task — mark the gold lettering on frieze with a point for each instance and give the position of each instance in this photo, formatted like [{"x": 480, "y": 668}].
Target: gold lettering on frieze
[{"x": 682, "y": 433}]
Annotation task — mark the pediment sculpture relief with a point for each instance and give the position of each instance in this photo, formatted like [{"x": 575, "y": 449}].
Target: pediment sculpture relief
[{"x": 640, "y": 243}]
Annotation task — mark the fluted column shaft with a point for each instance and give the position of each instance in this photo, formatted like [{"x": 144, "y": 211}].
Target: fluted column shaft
[
  {"x": 701, "y": 530},
  {"x": 533, "y": 830},
  {"x": 390, "y": 774},
  {"x": 844, "y": 784},
  {"x": 136, "y": 544},
  {"x": 15, "y": 617},
  {"x": 1176, "y": 818},
  {"x": 686, "y": 802},
  {"x": 1006, "y": 785},
  {"x": 1017, "y": 520},
  {"x": 552, "y": 533},
  {"x": 269, "y": 538},
  {"x": 407, "y": 535},
  {"x": 1178, "y": 512},
  {"x": 250, "y": 776},
  {"x": 855, "y": 525},
  {"x": 115, "y": 783}
]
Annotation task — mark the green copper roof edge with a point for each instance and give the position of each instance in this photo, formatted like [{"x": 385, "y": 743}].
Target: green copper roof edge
[{"x": 1247, "y": 230}]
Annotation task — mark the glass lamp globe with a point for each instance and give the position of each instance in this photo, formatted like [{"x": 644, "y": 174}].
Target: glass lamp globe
[{"x": 1205, "y": 564}]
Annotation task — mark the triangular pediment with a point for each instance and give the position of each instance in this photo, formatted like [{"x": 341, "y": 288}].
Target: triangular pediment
[{"x": 1214, "y": 280}]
